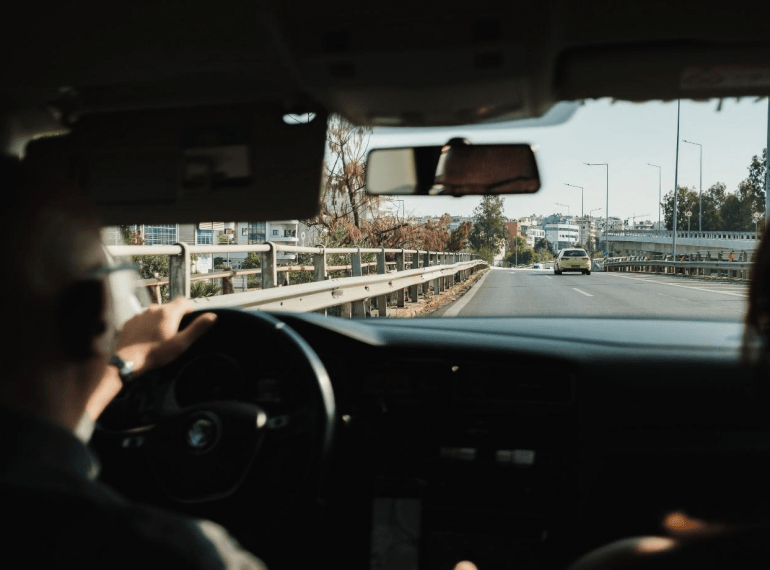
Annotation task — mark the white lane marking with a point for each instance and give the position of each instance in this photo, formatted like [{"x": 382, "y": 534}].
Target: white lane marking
[
  {"x": 455, "y": 309},
  {"x": 649, "y": 280},
  {"x": 582, "y": 292},
  {"x": 548, "y": 277}
]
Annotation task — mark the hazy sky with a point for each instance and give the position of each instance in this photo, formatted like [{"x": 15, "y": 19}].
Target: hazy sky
[{"x": 625, "y": 135}]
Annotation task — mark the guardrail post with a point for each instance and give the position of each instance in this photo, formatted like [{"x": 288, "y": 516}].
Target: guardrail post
[
  {"x": 401, "y": 266},
  {"x": 359, "y": 307},
  {"x": 382, "y": 300},
  {"x": 179, "y": 273},
  {"x": 319, "y": 274},
  {"x": 269, "y": 267},
  {"x": 158, "y": 298},
  {"x": 413, "y": 289},
  {"x": 319, "y": 262},
  {"x": 437, "y": 280}
]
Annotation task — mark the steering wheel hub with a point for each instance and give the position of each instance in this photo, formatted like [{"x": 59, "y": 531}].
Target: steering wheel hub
[{"x": 204, "y": 432}]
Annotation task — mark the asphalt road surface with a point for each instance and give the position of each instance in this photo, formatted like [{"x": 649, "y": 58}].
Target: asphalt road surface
[{"x": 534, "y": 292}]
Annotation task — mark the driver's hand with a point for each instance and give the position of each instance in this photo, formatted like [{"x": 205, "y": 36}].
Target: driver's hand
[
  {"x": 149, "y": 340},
  {"x": 152, "y": 339}
]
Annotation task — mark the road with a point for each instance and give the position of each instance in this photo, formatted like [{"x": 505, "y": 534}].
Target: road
[{"x": 528, "y": 292}]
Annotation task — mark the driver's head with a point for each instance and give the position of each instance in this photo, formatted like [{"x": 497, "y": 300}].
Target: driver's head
[{"x": 57, "y": 317}]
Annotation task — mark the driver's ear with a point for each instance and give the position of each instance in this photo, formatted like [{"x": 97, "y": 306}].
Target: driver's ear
[{"x": 80, "y": 319}]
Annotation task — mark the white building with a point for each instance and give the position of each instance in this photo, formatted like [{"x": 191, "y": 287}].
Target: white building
[
  {"x": 281, "y": 232},
  {"x": 562, "y": 235},
  {"x": 214, "y": 233},
  {"x": 588, "y": 230},
  {"x": 534, "y": 233}
]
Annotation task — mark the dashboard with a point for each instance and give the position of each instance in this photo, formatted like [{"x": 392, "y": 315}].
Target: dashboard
[{"x": 513, "y": 442}]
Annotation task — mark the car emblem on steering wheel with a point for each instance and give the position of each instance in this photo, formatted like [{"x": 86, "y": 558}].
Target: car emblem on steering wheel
[{"x": 203, "y": 433}]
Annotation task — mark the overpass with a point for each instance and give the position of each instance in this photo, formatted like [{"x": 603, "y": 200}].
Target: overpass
[{"x": 640, "y": 242}]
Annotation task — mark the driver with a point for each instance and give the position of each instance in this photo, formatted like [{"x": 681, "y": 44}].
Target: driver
[{"x": 61, "y": 337}]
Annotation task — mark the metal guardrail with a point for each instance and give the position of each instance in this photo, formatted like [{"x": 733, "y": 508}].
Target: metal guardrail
[
  {"x": 736, "y": 269},
  {"x": 439, "y": 270},
  {"x": 343, "y": 291}
]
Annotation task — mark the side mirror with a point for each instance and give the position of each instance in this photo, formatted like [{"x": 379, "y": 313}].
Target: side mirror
[{"x": 455, "y": 169}]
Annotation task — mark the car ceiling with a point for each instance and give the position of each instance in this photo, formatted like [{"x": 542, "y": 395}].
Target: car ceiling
[{"x": 395, "y": 64}]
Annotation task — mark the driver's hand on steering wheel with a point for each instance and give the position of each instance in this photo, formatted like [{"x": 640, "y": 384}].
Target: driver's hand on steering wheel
[{"x": 150, "y": 340}]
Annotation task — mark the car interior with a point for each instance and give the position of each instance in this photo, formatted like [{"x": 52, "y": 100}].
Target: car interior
[{"x": 395, "y": 443}]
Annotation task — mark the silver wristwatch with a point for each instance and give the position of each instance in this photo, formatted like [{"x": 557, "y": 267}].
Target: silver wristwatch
[{"x": 125, "y": 368}]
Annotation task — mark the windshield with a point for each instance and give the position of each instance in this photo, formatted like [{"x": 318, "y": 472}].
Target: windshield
[{"x": 608, "y": 178}]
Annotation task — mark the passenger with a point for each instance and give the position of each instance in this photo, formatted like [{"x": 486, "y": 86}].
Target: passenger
[
  {"x": 61, "y": 332},
  {"x": 689, "y": 542}
]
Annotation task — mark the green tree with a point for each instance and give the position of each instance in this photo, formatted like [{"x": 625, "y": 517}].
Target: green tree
[
  {"x": 712, "y": 201},
  {"x": 487, "y": 253},
  {"x": 686, "y": 200},
  {"x": 732, "y": 213},
  {"x": 488, "y": 224},
  {"x": 543, "y": 244},
  {"x": 253, "y": 260},
  {"x": 751, "y": 191}
]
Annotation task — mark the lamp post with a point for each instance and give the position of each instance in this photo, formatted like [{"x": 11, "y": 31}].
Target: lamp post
[
  {"x": 582, "y": 212},
  {"x": 757, "y": 216},
  {"x": 607, "y": 205},
  {"x": 700, "y": 185},
  {"x": 565, "y": 205},
  {"x": 660, "y": 197},
  {"x": 676, "y": 179}
]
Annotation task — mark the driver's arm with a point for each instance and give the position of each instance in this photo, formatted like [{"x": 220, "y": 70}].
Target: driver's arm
[{"x": 150, "y": 340}]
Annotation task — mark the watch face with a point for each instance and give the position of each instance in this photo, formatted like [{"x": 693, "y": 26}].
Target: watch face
[{"x": 124, "y": 368}]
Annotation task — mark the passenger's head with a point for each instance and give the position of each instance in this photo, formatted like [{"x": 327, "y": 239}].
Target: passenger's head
[
  {"x": 56, "y": 317},
  {"x": 756, "y": 345}
]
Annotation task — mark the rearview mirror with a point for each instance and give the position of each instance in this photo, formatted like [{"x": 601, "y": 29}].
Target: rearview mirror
[{"x": 455, "y": 169}]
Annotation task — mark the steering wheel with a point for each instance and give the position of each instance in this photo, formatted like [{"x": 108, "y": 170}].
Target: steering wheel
[{"x": 244, "y": 401}]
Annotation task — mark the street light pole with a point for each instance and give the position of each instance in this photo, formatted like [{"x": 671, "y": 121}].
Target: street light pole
[
  {"x": 565, "y": 205},
  {"x": 767, "y": 170},
  {"x": 700, "y": 186},
  {"x": 676, "y": 178},
  {"x": 582, "y": 211},
  {"x": 607, "y": 208},
  {"x": 660, "y": 197}
]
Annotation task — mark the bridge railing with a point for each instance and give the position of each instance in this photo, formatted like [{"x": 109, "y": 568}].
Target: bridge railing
[
  {"x": 721, "y": 234},
  {"x": 407, "y": 274}
]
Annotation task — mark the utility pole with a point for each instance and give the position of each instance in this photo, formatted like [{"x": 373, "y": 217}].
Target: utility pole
[
  {"x": 676, "y": 178},
  {"x": 582, "y": 212},
  {"x": 700, "y": 187},
  {"x": 767, "y": 163},
  {"x": 607, "y": 205}
]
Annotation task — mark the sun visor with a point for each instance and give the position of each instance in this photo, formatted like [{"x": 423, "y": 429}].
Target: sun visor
[{"x": 189, "y": 165}]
